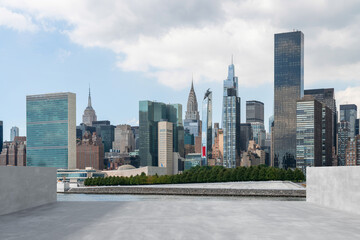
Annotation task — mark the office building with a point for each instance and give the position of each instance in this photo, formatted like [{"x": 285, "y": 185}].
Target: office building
[
  {"x": 357, "y": 122},
  {"x": 51, "y": 130},
  {"x": 288, "y": 87},
  {"x": 135, "y": 130},
  {"x": 14, "y": 152},
  {"x": 165, "y": 138},
  {"x": 82, "y": 128},
  {"x": 192, "y": 118},
  {"x": 150, "y": 114},
  {"x": 192, "y": 160},
  {"x": 106, "y": 131},
  {"x": 254, "y": 111},
  {"x": 259, "y": 133},
  {"x": 246, "y": 134},
  {"x": 206, "y": 135},
  {"x": 353, "y": 151},
  {"x": 124, "y": 140},
  {"x": 14, "y": 132},
  {"x": 348, "y": 112},
  {"x": 218, "y": 146},
  {"x": 271, "y": 122},
  {"x": 326, "y": 96},
  {"x": 342, "y": 141},
  {"x": 231, "y": 120},
  {"x": 89, "y": 115},
  {"x": 90, "y": 152},
  {"x": 308, "y": 133}
]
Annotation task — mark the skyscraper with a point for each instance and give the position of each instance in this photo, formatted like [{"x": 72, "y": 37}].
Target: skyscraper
[
  {"x": 308, "y": 133},
  {"x": 14, "y": 132},
  {"x": 89, "y": 113},
  {"x": 231, "y": 119},
  {"x": 124, "y": 140},
  {"x": 342, "y": 141},
  {"x": 327, "y": 97},
  {"x": 51, "y": 130},
  {"x": 246, "y": 134},
  {"x": 90, "y": 152},
  {"x": 348, "y": 112},
  {"x": 254, "y": 111},
  {"x": 106, "y": 131},
  {"x": 165, "y": 136},
  {"x": 206, "y": 135},
  {"x": 192, "y": 118},
  {"x": 288, "y": 87},
  {"x": 150, "y": 114}
]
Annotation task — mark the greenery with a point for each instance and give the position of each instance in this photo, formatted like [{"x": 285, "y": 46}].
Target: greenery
[{"x": 205, "y": 174}]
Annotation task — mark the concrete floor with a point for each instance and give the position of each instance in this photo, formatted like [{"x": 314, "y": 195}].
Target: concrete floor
[{"x": 180, "y": 220}]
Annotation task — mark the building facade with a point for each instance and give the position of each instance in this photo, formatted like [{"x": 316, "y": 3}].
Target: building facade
[
  {"x": 254, "y": 111},
  {"x": 124, "y": 140},
  {"x": 288, "y": 87},
  {"x": 192, "y": 117},
  {"x": 353, "y": 151},
  {"x": 246, "y": 134},
  {"x": 1, "y": 135},
  {"x": 107, "y": 133},
  {"x": 206, "y": 135},
  {"x": 51, "y": 130},
  {"x": 231, "y": 120},
  {"x": 308, "y": 133},
  {"x": 348, "y": 112},
  {"x": 89, "y": 115},
  {"x": 344, "y": 134},
  {"x": 14, "y": 152},
  {"x": 165, "y": 136},
  {"x": 90, "y": 152},
  {"x": 14, "y": 132}
]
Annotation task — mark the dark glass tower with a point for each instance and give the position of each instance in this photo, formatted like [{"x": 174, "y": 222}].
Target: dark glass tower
[
  {"x": 254, "y": 111},
  {"x": 348, "y": 112},
  {"x": 288, "y": 88},
  {"x": 106, "y": 132}
]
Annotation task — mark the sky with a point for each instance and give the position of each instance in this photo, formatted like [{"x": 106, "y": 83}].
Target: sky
[{"x": 149, "y": 50}]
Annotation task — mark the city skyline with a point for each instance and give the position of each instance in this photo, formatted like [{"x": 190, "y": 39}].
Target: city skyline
[{"x": 54, "y": 56}]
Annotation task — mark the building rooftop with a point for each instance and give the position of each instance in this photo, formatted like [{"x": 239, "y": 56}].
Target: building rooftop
[{"x": 180, "y": 219}]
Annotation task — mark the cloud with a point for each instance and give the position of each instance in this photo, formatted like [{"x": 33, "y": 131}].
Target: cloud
[
  {"x": 16, "y": 21},
  {"x": 349, "y": 95},
  {"x": 170, "y": 40}
]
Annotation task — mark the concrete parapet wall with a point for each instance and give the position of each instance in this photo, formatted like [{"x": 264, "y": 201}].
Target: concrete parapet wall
[
  {"x": 334, "y": 187},
  {"x": 190, "y": 191},
  {"x": 26, "y": 187}
]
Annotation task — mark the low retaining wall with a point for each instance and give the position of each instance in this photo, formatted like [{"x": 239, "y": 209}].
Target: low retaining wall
[
  {"x": 191, "y": 191},
  {"x": 26, "y": 187},
  {"x": 334, "y": 187}
]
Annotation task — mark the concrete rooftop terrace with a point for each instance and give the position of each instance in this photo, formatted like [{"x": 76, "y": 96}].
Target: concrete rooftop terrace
[{"x": 174, "y": 219}]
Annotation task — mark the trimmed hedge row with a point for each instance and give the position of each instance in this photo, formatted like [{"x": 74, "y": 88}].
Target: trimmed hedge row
[{"x": 205, "y": 174}]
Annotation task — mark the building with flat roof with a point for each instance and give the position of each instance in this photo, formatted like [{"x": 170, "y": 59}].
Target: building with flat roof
[
  {"x": 348, "y": 112},
  {"x": 14, "y": 132},
  {"x": 288, "y": 88},
  {"x": 254, "y": 111},
  {"x": 51, "y": 130},
  {"x": 165, "y": 148}
]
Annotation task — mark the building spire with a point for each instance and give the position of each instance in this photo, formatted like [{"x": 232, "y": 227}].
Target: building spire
[
  {"x": 89, "y": 99},
  {"x": 192, "y": 81}
]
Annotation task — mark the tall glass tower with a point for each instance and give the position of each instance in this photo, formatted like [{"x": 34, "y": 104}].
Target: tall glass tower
[
  {"x": 51, "y": 130},
  {"x": 206, "y": 135},
  {"x": 231, "y": 119},
  {"x": 348, "y": 112},
  {"x": 1, "y": 135},
  {"x": 288, "y": 87}
]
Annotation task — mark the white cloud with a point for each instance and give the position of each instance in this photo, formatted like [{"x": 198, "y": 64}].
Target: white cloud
[
  {"x": 170, "y": 40},
  {"x": 62, "y": 54},
  {"x": 349, "y": 95},
  {"x": 16, "y": 21}
]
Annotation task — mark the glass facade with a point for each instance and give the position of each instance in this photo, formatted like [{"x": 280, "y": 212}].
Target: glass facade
[
  {"x": 246, "y": 134},
  {"x": 343, "y": 138},
  {"x": 254, "y": 111},
  {"x": 348, "y": 112},
  {"x": 206, "y": 135},
  {"x": 150, "y": 113},
  {"x": 308, "y": 134},
  {"x": 106, "y": 132},
  {"x": 192, "y": 160},
  {"x": 288, "y": 87},
  {"x": 231, "y": 120},
  {"x": 258, "y": 130},
  {"x": 48, "y": 129}
]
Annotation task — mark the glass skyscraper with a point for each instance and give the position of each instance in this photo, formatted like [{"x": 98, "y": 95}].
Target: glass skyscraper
[
  {"x": 51, "y": 130},
  {"x": 150, "y": 114},
  {"x": 107, "y": 133},
  {"x": 206, "y": 135},
  {"x": 231, "y": 119},
  {"x": 288, "y": 87},
  {"x": 348, "y": 112}
]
